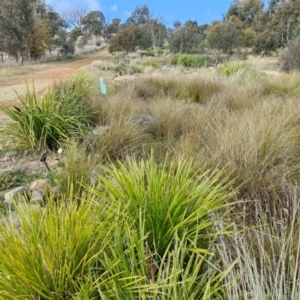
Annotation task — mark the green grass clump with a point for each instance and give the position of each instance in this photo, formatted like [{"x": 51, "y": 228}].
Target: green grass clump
[
  {"x": 144, "y": 232},
  {"x": 231, "y": 67},
  {"x": 192, "y": 61},
  {"x": 54, "y": 253},
  {"x": 172, "y": 197},
  {"x": 149, "y": 63},
  {"x": 39, "y": 122}
]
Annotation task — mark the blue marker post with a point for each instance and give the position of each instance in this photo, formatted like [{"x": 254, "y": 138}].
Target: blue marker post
[{"x": 102, "y": 86}]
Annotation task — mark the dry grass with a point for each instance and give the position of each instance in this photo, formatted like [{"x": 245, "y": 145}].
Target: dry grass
[{"x": 246, "y": 125}]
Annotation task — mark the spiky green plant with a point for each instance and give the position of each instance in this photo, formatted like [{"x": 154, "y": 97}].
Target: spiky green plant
[
  {"x": 38, "y": 122},
  {"x": 55, "y": 250},
  {"x": 172, "y": 196}
]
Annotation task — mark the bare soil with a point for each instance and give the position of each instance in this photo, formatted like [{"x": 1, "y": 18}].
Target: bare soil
[
  {"x": 14, "y": 83},
  {"x": 45, "y": 78}
]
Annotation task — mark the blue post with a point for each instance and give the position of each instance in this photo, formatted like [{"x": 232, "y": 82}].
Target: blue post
[{"x": 102, "y": 86}]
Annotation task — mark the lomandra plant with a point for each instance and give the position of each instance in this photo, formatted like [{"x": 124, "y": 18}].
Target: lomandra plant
[
  {"x": 161, "y": 246},
  {"x": 39, "y": 122},
  {"x": 173, "y": 198},
  {"x": 55, "y": 252}
]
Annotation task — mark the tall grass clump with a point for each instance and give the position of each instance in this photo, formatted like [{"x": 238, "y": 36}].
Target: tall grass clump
[
  {"x": 282, "y": 85},
  {"x": 120, "y": 66},
  {"x": 172, "y": 196},
  {"x": 266, "y": 256},
  {"x": 229, "y": 68},
  {"x": 164, "y": 242},
  {"x": 146, "y": 231},
  {"x": 55, "y": 252},
  {"x": 38, "y": 122},
  {"x": 191, "y": 88},
  {"x": 77, "y": 168},
  {"x": 191, "y": 60}
]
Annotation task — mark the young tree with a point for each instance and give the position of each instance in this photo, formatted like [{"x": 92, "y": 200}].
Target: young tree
[
  {"x": 157, "y": 32},
  {"x": 65, "y": 46},
  {"x": 126, "y": 40},
  {"x": 186, "y": 38},
  {"x": 140, "y": 16},
  {"x": 113, "y": 27},
  {"x": 93, "y": 23},
  {"x": 226, "y": 36},
  {"x": 17, "y": 24}
]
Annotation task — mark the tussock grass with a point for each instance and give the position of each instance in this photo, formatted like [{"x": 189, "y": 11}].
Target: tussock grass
[
  {"x": 266, "y": 257},
  {"x": 43, "y": 122},
  {"x": 117, "y": 242},
  {"x": 170, "y": 238}
]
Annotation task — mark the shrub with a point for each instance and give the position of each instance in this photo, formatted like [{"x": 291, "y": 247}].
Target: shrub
[
  {"x": 290, "y": 58},
  {"x": 39, "y": 122}
]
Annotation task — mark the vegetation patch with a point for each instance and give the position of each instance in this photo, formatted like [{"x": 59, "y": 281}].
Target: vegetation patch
[
  {"x": 191, "y": 61},
  {"x": 39, "y": 122}
]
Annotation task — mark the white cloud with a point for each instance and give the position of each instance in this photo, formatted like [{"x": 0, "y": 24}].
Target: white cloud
[{"x": 114, "y": 7}]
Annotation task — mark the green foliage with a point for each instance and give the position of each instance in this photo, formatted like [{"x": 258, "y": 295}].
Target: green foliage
[
  {"x": 147, "y": 237},
  {"x": 192, "y": 61},
  {"x": 62, "y": 111},
  {"x": 231, "y": 67},
  {"x": 150, "y": 63},
  {"x": 55, "y": 252},
  {"x": 172, "y": 198},
  {"x": 186, "y": 38}
]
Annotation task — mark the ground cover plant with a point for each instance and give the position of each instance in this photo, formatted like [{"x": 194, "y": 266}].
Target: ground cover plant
[{"x": 191, "y": 192}]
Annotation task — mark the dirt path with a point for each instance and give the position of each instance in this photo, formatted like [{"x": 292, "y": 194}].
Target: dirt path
[{"x": 44, "y": 79}]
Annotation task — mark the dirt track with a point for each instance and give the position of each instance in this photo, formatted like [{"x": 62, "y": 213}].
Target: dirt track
[{"x": 46, "y": 78}]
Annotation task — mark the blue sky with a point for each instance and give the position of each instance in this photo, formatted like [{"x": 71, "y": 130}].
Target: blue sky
[{"x": 204, "y": 11}]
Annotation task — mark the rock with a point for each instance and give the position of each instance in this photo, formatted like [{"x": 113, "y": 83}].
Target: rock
[
  {"x": 14, "y": 195},
  {"x": 55, "y": 163},
  {"x": 38, "y": 196},
  {"x": 40, "y": 184},
  {"x": 99, "y": 130},
  {"x": 148, "y": 123},
  {"x": 123, "y": 80},
  {"x": 11, "y": 219}
]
